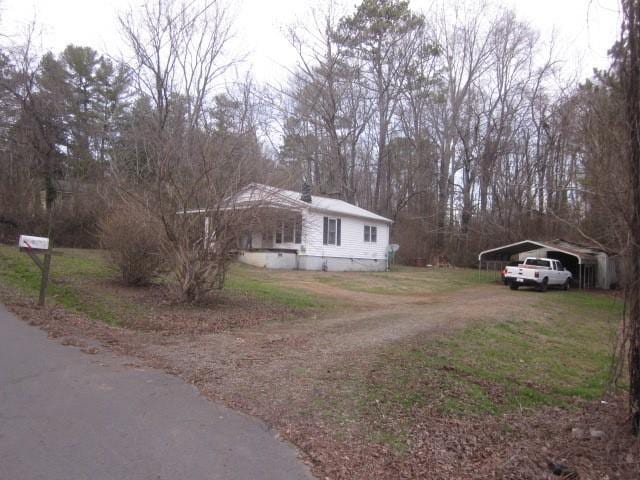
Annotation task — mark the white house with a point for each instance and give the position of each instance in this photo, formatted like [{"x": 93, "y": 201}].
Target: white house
[{"x": 315, "y": 233}]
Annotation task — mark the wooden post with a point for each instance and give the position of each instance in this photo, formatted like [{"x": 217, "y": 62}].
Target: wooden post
[
  {"x": 45, "y": 278},
  {"x": 44, "y": 267}
]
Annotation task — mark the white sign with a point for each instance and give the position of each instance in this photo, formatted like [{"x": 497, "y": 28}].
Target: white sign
[{"x": 33, "y": 243}]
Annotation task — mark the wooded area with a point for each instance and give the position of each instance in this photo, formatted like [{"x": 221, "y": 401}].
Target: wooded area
[{"x": 454, "y": 122}]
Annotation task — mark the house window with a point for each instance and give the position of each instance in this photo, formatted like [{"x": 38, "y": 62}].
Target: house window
[
  {"x": 331, "y": 231},
  {"x": 370, "y": 234},
  {"x": 289, "y": 231},
  {"x": 298, "y": 232},
  {"x": 287, "y": 228},
  {"x": 331, "y": 237}
]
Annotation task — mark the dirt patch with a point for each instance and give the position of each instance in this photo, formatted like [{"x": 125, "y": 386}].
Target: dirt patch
[
  {"x": 155, "y": 313},
  {"x": 283, "y": 370}
]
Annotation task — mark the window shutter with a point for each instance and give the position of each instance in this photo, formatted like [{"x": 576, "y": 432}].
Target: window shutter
[
  {"x": 338, "y": 232},
  {"x": 325, "y": 230}
]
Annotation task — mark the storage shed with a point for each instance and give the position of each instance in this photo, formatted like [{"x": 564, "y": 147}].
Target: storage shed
[{"x": 590, "y": 267}]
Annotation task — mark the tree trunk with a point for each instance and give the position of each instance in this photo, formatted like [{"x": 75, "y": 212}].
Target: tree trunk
[
  {"x": 632, "y": 17},
  {"x": 443, "y": 194}
]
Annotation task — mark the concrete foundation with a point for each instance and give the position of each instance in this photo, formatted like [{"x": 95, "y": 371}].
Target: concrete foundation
[
  {"x": 338, "y": 264},
  {"x": 293, "y": 261},
  {"x": 272, "y": 260}
]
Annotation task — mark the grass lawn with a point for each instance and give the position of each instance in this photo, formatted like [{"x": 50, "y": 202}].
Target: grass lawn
[
  {"x": 560, "y": 354},
  {"x": 406, "y": 280},
  {"x": 268, "y": 286},
  {"x": 73, "y": 272},
  {"x": 69, "y": 274},
  {"x": 80, "y": 280}
]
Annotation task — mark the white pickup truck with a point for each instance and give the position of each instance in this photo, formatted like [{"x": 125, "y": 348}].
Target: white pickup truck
[{"x": 538, "y": 272}]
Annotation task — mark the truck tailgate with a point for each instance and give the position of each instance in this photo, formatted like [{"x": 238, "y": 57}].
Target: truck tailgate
[{"x": 522, "y": 273}]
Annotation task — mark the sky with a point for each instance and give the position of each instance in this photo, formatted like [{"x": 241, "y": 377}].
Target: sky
[{"x": 585, "y": 29}]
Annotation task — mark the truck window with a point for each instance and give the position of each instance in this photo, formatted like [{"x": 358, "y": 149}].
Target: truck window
[
  {"x": 539, "y": 263},
  {"x": 544, "y": 263}
]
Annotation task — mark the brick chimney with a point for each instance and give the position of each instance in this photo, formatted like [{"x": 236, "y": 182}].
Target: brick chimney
[{"x": 306, "y": 192}]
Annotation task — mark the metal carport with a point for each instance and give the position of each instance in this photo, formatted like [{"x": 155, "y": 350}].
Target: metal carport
[{"x": 581, "y": 261}]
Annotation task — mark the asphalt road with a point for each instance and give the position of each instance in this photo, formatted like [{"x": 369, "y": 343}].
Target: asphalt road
[{"x": 66, "y": 415}]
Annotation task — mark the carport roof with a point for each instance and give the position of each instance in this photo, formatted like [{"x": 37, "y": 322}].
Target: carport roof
[{"x": 582, "y": 253}]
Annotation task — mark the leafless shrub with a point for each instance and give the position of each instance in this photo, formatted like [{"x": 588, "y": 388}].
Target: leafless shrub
[
  {"x": 199, "y": 146},
  {"x": 131, "y": 237}
]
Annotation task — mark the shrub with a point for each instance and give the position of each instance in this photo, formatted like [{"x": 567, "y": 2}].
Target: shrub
[{"x": 132, "y": 239}]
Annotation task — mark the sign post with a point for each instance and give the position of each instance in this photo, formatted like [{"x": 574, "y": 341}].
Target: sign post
[{"x": 32, "y": 246}]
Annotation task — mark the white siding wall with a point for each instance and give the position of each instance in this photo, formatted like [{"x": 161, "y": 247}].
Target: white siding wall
[{"x": 352, "y": 243}]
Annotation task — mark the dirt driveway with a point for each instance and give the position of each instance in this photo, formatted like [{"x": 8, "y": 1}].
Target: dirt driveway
[{"x": 275, "y": 364}]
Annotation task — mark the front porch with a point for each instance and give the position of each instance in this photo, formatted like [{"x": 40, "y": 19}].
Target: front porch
[{"x": 276, "y": 231}]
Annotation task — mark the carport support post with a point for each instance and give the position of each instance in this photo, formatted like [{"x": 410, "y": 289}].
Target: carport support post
[{"x": 580, "y": 275}]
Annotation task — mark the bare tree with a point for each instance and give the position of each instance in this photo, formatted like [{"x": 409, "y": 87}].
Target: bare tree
[
  {"x": 464, "y": 39},
  {"x": 630, "y": 76},
  {"x": 194, "y": 163},
  {"x": 386, "y": 35},
  {"x": 326, "y": 95},
  {"x": 38, "y": 113}
]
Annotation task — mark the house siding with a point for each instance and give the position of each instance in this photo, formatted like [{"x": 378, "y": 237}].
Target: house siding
[{"x": 352, "y": 244}]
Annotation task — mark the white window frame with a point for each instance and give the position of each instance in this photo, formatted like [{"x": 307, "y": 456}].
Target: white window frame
[
  {"x": 296, "y": 227},
  {"x": 372, "y": 237},
  {"x": 335, "y": 231}
]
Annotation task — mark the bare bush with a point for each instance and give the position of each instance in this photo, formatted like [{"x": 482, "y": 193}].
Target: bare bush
[
  {"x": 131, "y": 237},
  {"x": 198, "y": 146}
]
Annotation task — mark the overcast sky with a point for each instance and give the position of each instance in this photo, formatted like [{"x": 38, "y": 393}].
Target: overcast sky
[{"x": 585, "y": 28}]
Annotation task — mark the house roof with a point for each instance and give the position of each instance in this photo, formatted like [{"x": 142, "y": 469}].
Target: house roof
[
  {"x": 256, "y": 193},
  {"x": 583, "y": 253}
]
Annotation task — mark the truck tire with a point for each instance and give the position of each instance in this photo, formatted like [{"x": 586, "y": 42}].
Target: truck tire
[
  {"x": 567, "y": 285},
  {"x": 543, "y": 286},
  {"x": 513, "y": 286}
]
